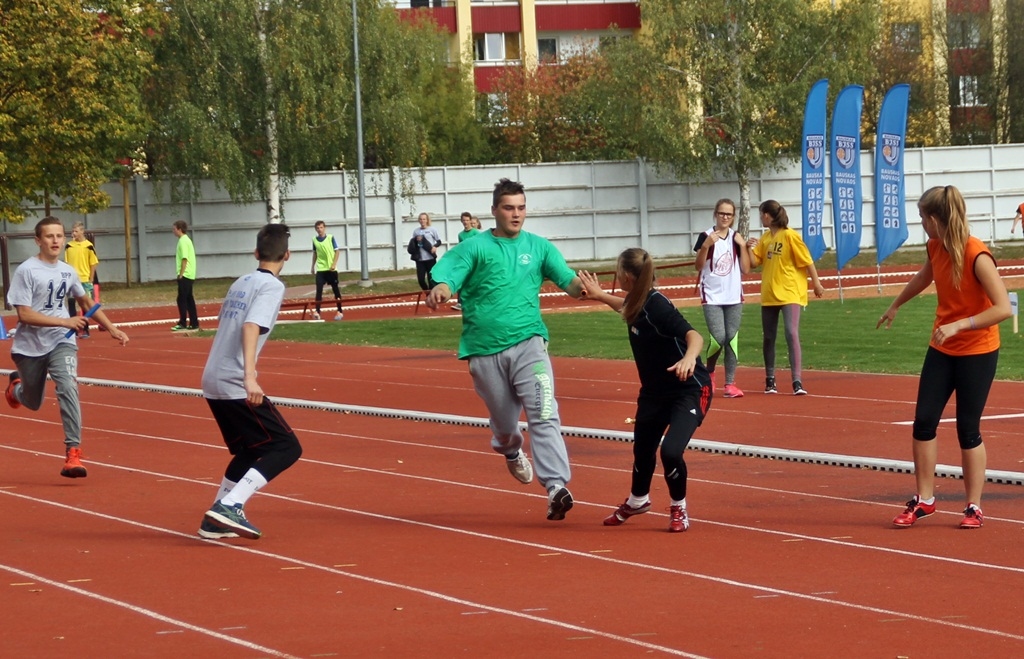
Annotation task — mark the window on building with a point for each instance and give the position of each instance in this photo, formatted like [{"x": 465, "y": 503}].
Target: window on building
[
  {"x": 491, "y": 109},
  {"x": 968, "y": 91},
  {"x": 906, "y": 37},
  {"x": 547, "y": 50},
  {"x": 415, "y": 4},
  {"x": 496, "y": 46},
  {"x": 965, "y": 30},
  {"x": 610, "y": 40}
]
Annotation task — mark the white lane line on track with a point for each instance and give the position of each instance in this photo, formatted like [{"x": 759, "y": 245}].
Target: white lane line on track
[
  {"x": 386, "y": 440},
  {"x": 297, "y": 563},
  {"x": 987, "y": 417},
  {"x": 181, "y": 625},
  {"x": 759, "y": 589}
]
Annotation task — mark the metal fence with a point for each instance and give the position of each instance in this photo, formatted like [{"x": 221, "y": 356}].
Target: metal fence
[{"x": 590, "y": 210}]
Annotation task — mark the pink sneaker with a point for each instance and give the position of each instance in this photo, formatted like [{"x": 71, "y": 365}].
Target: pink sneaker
[{"x": 732, "y": 391}]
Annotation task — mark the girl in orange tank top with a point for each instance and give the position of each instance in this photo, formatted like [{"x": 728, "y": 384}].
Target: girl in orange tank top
[{"x": 963, "y": 350}]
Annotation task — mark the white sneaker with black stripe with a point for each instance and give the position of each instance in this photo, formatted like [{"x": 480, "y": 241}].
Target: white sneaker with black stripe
[
  {"x": 559, "y": 503},
  {"x": 520, "y": 467}
]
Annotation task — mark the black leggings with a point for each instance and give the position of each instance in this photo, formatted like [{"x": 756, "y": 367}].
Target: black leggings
[
  {"x": 970, "y": 377},
  {"x": 682, "y": 414},
  {"x": 329, "y": 277},
  {"x": 423, "y": 269}
]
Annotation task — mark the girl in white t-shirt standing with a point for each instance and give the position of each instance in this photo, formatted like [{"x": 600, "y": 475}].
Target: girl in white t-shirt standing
[{"x": 722, "y": 259}]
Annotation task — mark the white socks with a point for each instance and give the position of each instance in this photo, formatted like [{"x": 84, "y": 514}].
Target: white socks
[
  {"x": 225, "y": 488},
  {"x": 636, "y": 502},
  {"x": 250, "y": 484}
]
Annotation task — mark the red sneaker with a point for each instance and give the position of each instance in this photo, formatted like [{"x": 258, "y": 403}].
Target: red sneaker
[
  {"x": 732, "y": 391},
  {"x": 73, "y": 464},
  {"x": 679, "y": 521},
  {"x": 12, "y": 400},
  {"x": 915, "y": 511},
  {"x": 624, "y": 512},
  {"x": 973, "y": 518}
]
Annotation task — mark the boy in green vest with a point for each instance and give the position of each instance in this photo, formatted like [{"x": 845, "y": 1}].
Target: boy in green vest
[{"x": 325, "y": 263}]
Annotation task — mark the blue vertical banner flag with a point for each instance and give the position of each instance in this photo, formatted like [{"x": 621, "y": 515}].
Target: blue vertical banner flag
[
  {"x": 890, "y": 193},
  {"x": 813, "y": 168},
  {"x": 847, "y": 199}
]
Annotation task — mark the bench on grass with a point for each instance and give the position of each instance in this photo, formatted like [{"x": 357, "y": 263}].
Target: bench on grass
[{"x": 666, "y": 266}]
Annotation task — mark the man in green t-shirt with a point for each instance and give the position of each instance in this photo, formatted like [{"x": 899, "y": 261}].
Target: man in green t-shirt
[
  {"x": 185, "y": 262},
  {"x": 499, "y": 274}
]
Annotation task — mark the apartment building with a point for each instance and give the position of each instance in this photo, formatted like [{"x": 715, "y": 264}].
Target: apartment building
[
  {"x": 962, "y": 52},
  {"x": 967, "y": 55},
  {"x": 497, "y": 34}
]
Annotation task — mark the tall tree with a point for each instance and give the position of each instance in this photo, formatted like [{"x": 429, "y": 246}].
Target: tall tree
[
  {"x": 555, "y": 113},
  {"x": 743, "y": 68},
  {"x": 241, "y": 80},
  {"x": 70, "y": 79},
  {"x": 903, "y": 53}
]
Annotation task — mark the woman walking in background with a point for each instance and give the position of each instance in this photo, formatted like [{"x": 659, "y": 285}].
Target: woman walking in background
[
  {"x": 427, "y": 240},
  {"x": 963, "y": 350},
  {"x": 787, "y": 265},
  {"x": 722, "y": 259}
]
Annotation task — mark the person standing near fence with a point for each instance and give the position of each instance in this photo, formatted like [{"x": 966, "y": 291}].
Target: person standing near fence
[
  {"x": 500, "y": 273},
  {"x": 787, "y": 265},
  {"x": 185, "y": 262},
  {"x": 80, "y": 254},
  {"x": 261, "y": 443},
  {"x": 963, "y": 351},
  {"x": 426, "y": 240},
  {"x": 722, "y": 260},
  {"x": 1018, "y": 219},
  {"x": 44, "y": 344},
  {"x": 469, "y": 229},
  {"x": 325, "y": 267}
]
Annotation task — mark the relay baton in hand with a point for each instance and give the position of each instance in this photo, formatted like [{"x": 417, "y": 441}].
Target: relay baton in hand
[{"x": 88, "y": 314}]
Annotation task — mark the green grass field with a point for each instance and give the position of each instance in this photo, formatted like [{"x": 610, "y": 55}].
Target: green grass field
[{"x": 836, "y": 336}]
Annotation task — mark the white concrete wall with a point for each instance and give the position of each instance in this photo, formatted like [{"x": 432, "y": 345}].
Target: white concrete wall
[{"x": 590, "y": 210}]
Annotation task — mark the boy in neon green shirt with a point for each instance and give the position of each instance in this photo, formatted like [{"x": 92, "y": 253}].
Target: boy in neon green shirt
[
  {"x": 325, "y": 267},
  {"x": 185, "y": 265}
]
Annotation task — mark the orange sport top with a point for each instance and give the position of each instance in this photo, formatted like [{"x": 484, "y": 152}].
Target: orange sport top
[{"x": 956, "y": 304}]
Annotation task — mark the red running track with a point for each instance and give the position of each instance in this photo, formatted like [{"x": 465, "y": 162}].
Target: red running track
[{"x": 400, "y": 538}]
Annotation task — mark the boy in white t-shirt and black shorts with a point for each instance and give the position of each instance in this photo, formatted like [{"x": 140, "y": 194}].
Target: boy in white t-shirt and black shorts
[{"x": 261, "y": 443}]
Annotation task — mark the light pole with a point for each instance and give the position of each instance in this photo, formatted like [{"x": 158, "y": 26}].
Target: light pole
[{"x": 364, "y": 271}]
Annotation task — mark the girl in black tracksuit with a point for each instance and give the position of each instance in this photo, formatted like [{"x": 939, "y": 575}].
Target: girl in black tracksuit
[{"x": 675, "y": 388}]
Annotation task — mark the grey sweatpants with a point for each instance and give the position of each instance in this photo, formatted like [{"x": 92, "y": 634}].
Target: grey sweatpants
[
  {"x": 516, "y": 379},
  {"x": 723, "y": 323},
  {"x": 61, "y": 364}
]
